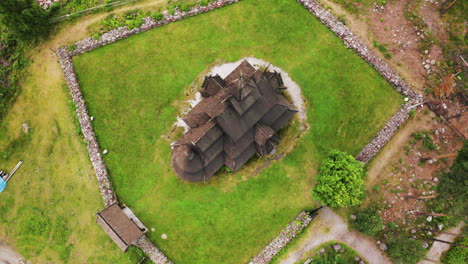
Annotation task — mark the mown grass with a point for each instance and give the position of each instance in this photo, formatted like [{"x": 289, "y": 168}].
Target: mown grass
[
  {"x": 134, "y": 88},
  {"x": 47, "y": 212}
]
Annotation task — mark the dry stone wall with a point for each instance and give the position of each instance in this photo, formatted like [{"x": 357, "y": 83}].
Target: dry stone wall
[
  {"x": 89, "y": 44},
  {"x": 66, "y": 62},
  {"x": 286, "y": 235},
  {"x": 94, "y": 151},
  {"x": 152, "y": 251},
  {"x": 303, "y": 219},
  {"x": 353, "y": 42}
]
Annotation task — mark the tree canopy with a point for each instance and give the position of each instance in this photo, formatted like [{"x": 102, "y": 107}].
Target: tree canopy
[
  {"x": 340, "y": 180},
  {"x": 24, "y": 18}
]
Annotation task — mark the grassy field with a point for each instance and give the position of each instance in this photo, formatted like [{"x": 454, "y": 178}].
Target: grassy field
[
  {"x": 47, "y": 212},
  {"x": 134, "y": 89}
]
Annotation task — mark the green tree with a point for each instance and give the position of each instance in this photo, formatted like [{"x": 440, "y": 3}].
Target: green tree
[
  {"x": 368, "y": 222},
  {"x": 340, "y": 180},
  {"x": 24, "y": 18}
]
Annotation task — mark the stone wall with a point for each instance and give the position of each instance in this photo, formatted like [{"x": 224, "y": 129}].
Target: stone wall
[
  {"x": 94, "y": 151},
  {"x": 286, "y": 235},
  {"x": 89, "y": 44},
  {"x": 152, "y": 251},
  {"x": 353, "y": 42},
  {"x": 66, "y": 62},
  {"x": 303, "y": 219}
]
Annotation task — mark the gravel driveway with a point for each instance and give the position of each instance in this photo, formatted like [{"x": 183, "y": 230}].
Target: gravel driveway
[{"x": 329, "y": 226}]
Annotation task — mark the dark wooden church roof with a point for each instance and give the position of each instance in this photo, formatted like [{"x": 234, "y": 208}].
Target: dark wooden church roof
[{"x": 237, "y": 117}]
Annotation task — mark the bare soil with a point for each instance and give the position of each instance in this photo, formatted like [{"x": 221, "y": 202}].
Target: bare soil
[{"x": 398, "y": 172}]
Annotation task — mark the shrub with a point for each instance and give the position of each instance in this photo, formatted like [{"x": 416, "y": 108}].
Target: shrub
[
  {"x": 340, "y": 180},
  {"x": 71, "y": 48},
  {"x": 452, "y": 189},
  {"x": 158, "y": 16},
  {"x": 368, "y": 222},
  {"x": 405, "y": 250},
  {"x": 24, "y": 18},
  {"x": 457, "y": 255}
]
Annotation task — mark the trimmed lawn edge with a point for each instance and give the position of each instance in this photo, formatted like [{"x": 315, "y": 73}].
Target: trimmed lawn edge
[{"x": 66, "y": 53}]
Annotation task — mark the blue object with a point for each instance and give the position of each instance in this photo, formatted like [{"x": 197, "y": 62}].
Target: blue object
[{"x": 2, "y": 184}]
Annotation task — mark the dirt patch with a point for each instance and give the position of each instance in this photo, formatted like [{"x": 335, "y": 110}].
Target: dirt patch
[
  {"x": 398, "y": 173},
  {"x": 431, "y": 15},
  {"x": 390, "y": 27}
]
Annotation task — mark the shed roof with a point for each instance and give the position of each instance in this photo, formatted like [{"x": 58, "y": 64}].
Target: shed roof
[{"x": 123, "y": 231}]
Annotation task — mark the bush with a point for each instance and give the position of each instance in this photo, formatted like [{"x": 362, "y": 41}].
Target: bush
[
  {"x": 457, "y": 255},
  {"x": 368, "y": 222},
  {"x": 24, "y": 18},
  {"x": 158, "y": 16},
  {"x": 12, "y": 54},
  {"x": 405, "y": 250},
  {"x": 340, "y": 180},
  {"x": 452, "y": 189}
]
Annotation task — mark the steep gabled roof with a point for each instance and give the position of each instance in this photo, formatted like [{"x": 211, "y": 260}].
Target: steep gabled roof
[{"x": 237, "y": 117}]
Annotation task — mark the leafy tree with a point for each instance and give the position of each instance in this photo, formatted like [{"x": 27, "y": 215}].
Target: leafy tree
[
  {"x": 368, "y": 222},
  {"x": 405, "y": 250},
  {"x": 340, "y": 180},
  {"x": 24, "y": 18}
]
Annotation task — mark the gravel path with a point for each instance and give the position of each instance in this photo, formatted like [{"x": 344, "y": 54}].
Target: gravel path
[
  {"x": 438, "y": 248},
  {"x": 329, "y": 226},
  {"x": 9, "y": 256}
]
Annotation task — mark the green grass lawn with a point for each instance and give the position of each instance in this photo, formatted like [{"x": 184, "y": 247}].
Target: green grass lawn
[{"x": 134, "y": 88}]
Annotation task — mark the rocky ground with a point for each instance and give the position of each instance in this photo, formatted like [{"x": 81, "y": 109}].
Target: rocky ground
[{"x": 9, "y": 256}]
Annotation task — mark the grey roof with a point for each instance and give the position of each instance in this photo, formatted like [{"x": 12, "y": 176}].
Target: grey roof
[{"x": 237, "y": 117}]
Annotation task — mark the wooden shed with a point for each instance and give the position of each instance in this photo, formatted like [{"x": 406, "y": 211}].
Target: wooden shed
[{"x": 123, "y": 231}]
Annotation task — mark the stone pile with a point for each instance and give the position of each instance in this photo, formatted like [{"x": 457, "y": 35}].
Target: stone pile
[
  {"x": 286, "y": 235},
  {"x": 86, "y": 127},
  {"x": 353, "y": 42},
  {"x": 152, "y": 251},
  {"x": 45, "y": 4}
]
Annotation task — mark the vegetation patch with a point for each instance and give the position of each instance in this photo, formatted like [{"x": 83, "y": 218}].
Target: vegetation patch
[
  {"x": 132, "y": 88},
  {"x": 333, "y": 252}
]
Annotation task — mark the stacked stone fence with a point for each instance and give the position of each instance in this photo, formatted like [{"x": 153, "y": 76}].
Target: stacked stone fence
[
  {"x": 65, "y": 55},
  {"x": 285, "y": 236},
  {"x": 65, "y": 58},
  {"x": 353, "y": 42}
]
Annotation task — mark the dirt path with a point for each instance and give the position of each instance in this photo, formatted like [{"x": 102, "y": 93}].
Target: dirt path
[
  {"x": 437, "y": 249},
  {"x": 9, "y": 256},
  {"x": 328, "y": 226}
]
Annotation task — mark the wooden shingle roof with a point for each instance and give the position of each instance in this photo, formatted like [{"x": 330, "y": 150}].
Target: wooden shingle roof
[{"x": 237, "y": 117}]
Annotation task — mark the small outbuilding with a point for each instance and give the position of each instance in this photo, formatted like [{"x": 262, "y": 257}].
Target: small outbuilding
[{"x": 117, "y": 224}]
